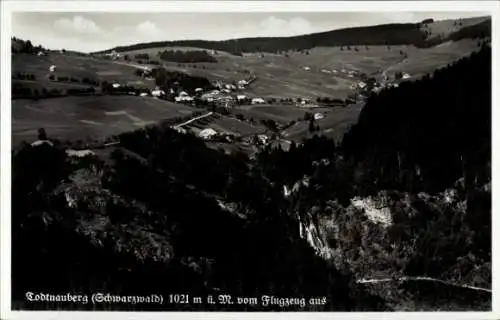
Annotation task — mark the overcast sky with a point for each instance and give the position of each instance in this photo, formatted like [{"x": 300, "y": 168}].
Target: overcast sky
[{"x": 95, "y": 31}]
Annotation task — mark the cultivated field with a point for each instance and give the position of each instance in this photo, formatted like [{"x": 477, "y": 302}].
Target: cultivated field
[{"x": 79, "y": 118}]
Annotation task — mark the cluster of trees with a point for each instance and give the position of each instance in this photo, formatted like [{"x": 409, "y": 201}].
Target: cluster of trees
[
  {"x": 80, "y": 91},
  {"x": 24, "y": 76},
  {"x": 22, "y": 46},
  {"x": 141, "y": 56},
  {"x": 389, "y": 34},
  {"x": 107, "y": 88},
  {"x": 20, "y": 91},
  {"x": 186, "y": 56},
  {"x": 179, "y": 81},
  {"x": 88, "y": 81},
  {"x": 437, "y": 154},
  {"x": 63, "y": 78},
  {"x": 331, "y": 101}
]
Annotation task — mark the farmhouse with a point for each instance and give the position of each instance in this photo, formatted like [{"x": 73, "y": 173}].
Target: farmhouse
[
  {"x": 207, "y": 133},
  {"x": 183, "y": 99},
  {"x": 242, "y": 84},
  {"x": 258, "y": 101},
  {"x": 180, "y": 130},
  {"x": 157, "y": 92},
  {"x": 79, "y": 153},
  {"x": 263, "y": 139},
  {"x": 318, "y": 116}
]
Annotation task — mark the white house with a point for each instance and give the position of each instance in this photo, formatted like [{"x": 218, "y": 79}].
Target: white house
[
  {"x": 143, "y": 94},
  {"x": 241, "y": 97},
  {"x": 307, "y": 68},
  {"x": 406, "y": 75},
  {"x": 258, "y": 101},
  {"x": 263, "y": 139},
  {"x": 40, "y": 53},
  {"x": 116, "y": 85},
  {"x": 242, "y": 83},
  {"x": 183, "y": 94},
  {"x": 325, "y": 71},
  {"x": 183, "y": 98},
  {"x": 318, "y": 116},
  {"x": 198, "y": 90},
  {"x": 52, "y": 68},
  {"x": 361, "y": 84},
  {"x": 157, "y": 92},
  {"x": 207, "y": 133},
  {"x": 79, "y": 153}
]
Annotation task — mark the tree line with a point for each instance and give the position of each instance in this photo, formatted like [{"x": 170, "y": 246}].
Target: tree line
[
  {"x": 186, "y": 56},
  {"x": 387, "y": 34}
]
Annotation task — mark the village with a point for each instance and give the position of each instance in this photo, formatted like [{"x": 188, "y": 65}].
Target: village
[{"x": 230, "y": 98}]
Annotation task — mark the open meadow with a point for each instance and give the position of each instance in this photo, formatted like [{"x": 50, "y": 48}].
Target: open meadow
[{"x": 79, "y": 118}]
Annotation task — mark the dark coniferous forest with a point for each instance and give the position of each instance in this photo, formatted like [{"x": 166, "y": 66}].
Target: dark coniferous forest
[
  {"x": 386, "y": 34},
  {"x": 164, "y": 213}
]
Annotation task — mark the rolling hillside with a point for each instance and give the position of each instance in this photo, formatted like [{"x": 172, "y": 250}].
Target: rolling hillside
[{"x": 389, "y": 34}]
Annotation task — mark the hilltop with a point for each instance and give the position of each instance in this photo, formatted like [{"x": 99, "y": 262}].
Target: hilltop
[{"x": 420, "y": 35}]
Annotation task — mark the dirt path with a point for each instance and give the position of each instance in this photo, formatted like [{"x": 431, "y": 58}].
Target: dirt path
[
  {"x": 194, "y": 119},
  {"x": 402, "y": 279}
]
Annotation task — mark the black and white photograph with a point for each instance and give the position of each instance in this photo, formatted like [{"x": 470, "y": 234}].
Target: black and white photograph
[{"x": 247, "y": 161}]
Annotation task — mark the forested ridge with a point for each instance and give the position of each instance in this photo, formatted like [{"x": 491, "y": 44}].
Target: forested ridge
[
  {"x": 385, "y": 35},
  {"x": 164, "y": 213}
]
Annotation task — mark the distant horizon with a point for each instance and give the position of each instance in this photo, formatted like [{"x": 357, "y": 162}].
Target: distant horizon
[{"x": 94, "y": 32}]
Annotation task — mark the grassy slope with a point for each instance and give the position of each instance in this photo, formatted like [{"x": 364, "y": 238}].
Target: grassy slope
[
  {"x": 97, "y": 116},
  {"x": 278, "y": 76},
  {"x": 73, "y": 66}
]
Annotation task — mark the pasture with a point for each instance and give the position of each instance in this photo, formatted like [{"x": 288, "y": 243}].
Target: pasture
[
  {"x": 284, "y": 75},
  {"x": 93, "y": 117},
  {"x": 76, "y": 67},
  {"x": 281, "y": 114},
  {"x": 333, "y": 125}
]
